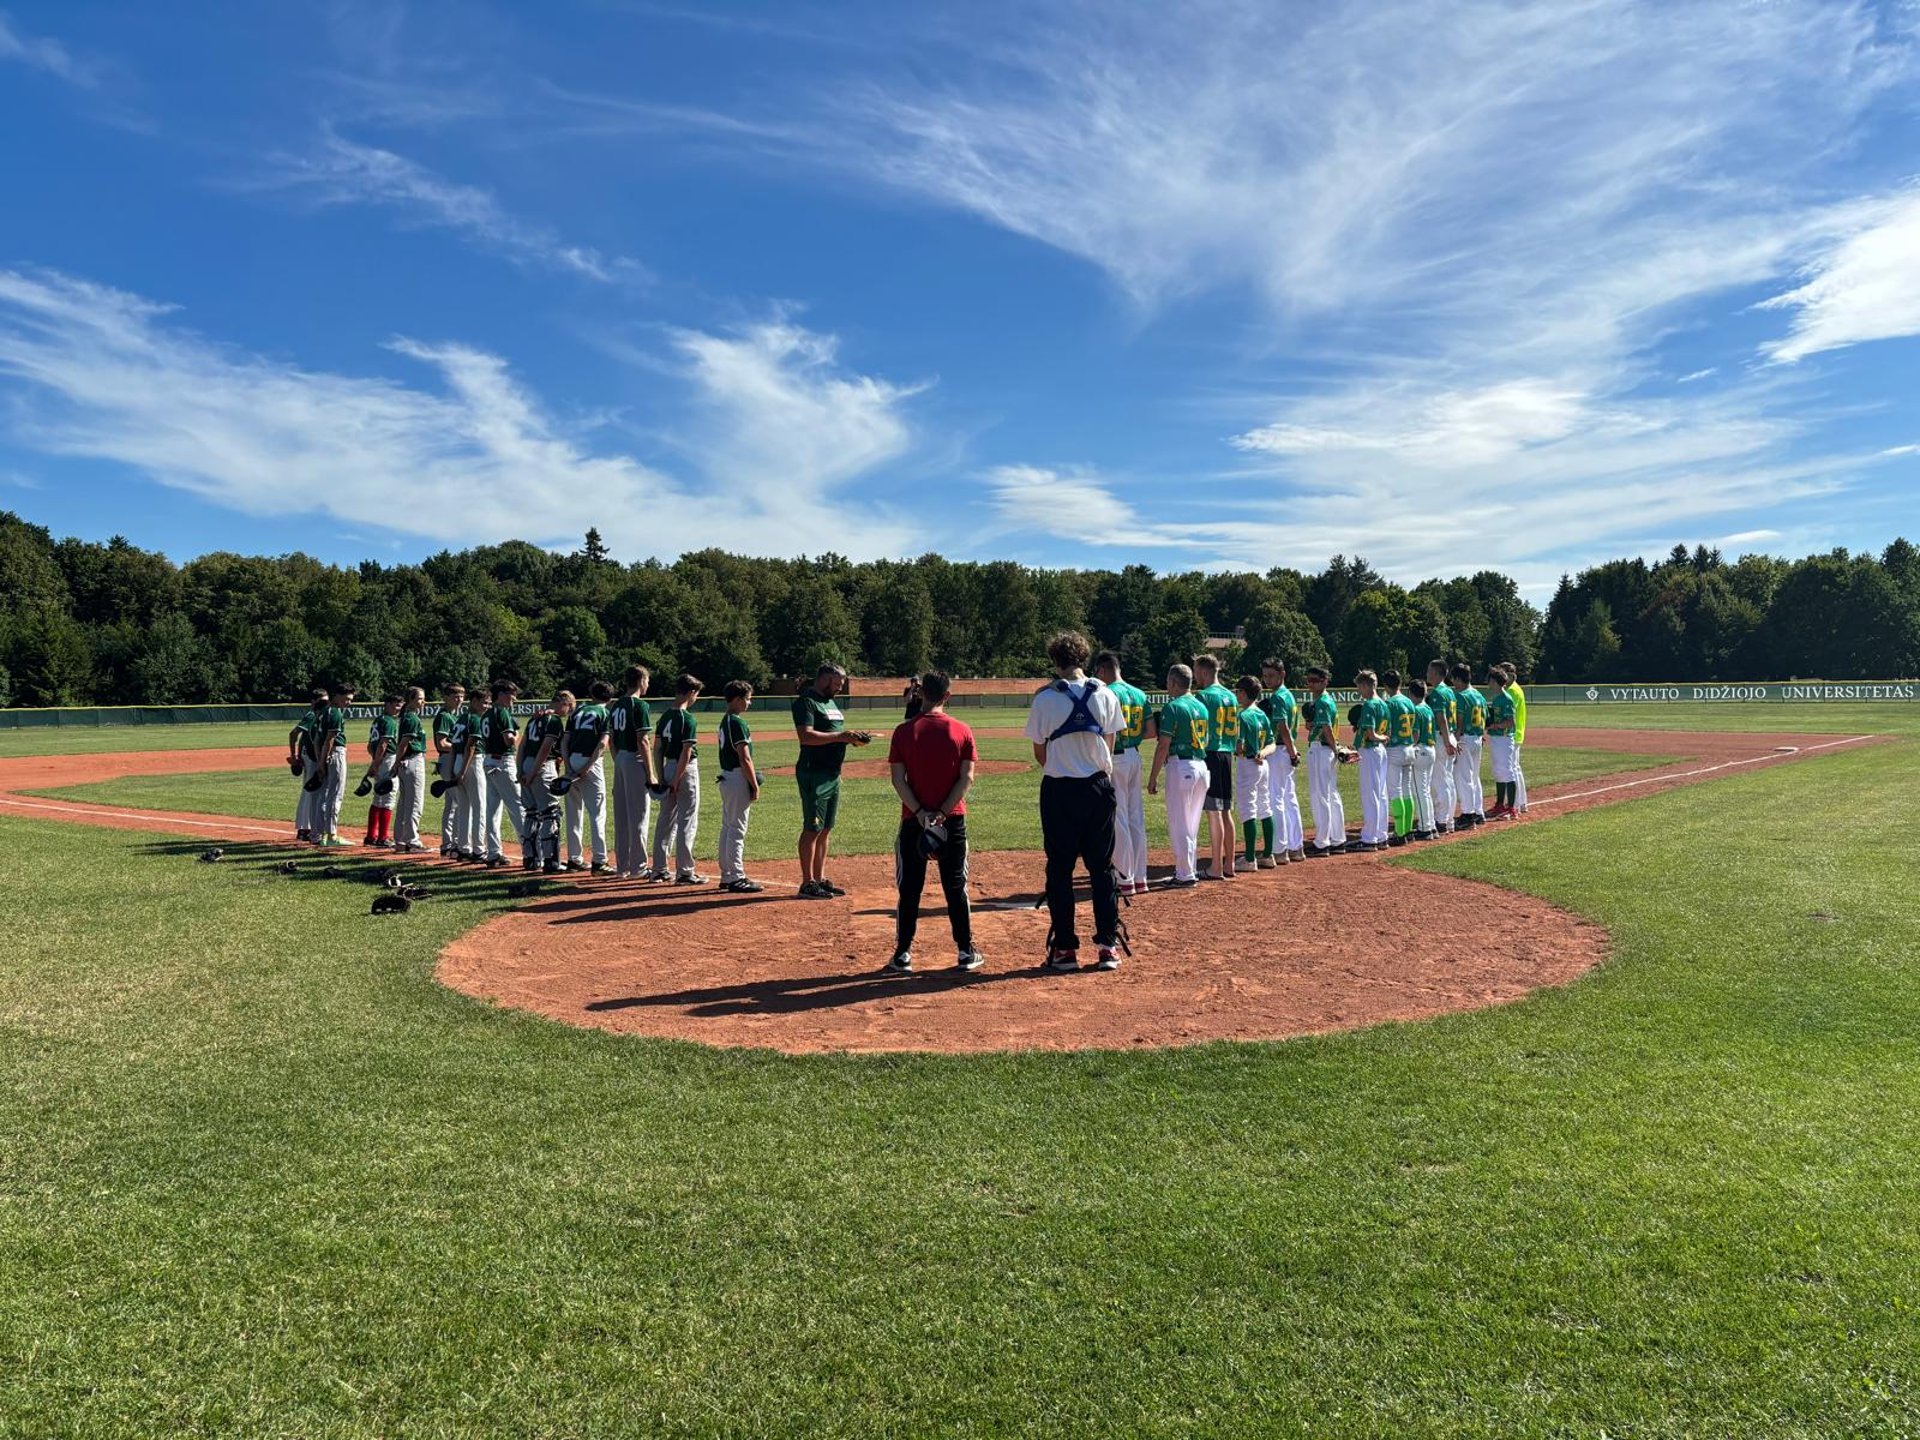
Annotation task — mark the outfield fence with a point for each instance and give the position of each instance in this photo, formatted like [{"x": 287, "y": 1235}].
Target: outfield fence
[{"x": 1773, "y": 692}]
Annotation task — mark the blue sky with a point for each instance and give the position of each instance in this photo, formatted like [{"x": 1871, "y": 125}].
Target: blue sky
[{"x": 1196, "y": 285}]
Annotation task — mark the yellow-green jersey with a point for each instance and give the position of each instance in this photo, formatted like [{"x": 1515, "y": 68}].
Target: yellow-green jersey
[
  {"x": 1519, "y": 712},
  {"x": 1400, "y": 722},
  {"x": 1322, "y": 718},
  {"x": 1423, "y": 729},
  {"x": 1133, "y": 716},
  {"x": 1256, "y": 732},
  {"x": 1183, "y": 723},
  {"x": 1473, "y": 711},
  {"x": 1223, "y": 717}
]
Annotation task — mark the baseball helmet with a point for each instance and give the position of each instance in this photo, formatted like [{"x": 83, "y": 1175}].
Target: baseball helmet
[
  {"x": 437, "y": 789},
  {"x": 365, "y": 787},
  {"x": 560, "y": 786}
]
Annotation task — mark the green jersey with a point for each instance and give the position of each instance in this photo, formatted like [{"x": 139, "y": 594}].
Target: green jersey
[
  {"x": 1440, "y": 699},
  {"x": 1322, "y": 717},
  {"x": 1133, "y": 716},
  {"x": 1373, "y": 721},
  {"x": 1281, "y": 709},
  {"x": 497, "y": 731},
  {"x": 307, "y": 726},
  {"x": 814, "y": 711},
  {"x": 586, "y": 728},
  {"x": 332, "y": 726},
  {"x": 1500, "y": 713},
  {"x": 539, "y": 726},
  {"x": 1423, "y": 731},
  {"x": 734, "y": 735},
  {"x": 675, "y": 734},
  {"x": 1473, "y": 711},
  {"x": 385, "y": 729},
  {"x": 412, "y": 735},
  {"x": 1183, "y": 722},
  {"x": 1400, "y": 722},
  {"x": 1223, "y": 717},
  {"x": 1256, "y": 731},
  {"x": 632, "y": 718}
]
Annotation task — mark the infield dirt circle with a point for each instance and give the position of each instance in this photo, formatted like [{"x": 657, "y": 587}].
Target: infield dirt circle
[{"x": 1325, "y": 945}]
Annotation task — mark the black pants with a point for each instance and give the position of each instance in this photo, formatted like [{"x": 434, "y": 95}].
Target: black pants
[
  {"x": 910, "y": 874},
  {"x": 1076, "y": 826}
]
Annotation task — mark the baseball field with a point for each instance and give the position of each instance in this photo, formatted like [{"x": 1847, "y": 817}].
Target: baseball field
[{"x": 1600, "y": 1123}]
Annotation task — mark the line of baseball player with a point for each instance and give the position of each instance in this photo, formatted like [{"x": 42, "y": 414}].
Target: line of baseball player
[
  {"x": 1220, "y": 752},
  {"x": 1225, "y": 753},
  {"x": 547, "y": 778}
]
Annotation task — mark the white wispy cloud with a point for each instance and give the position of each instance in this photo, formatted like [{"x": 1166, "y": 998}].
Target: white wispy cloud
[
  {"x": 1492, "y": 227},
  {"x": 1864, "y": 286},
  {"x": 108, "y": 375},
  {"x": 339, "y": 171},
  {"x": 46, "y": 54}
]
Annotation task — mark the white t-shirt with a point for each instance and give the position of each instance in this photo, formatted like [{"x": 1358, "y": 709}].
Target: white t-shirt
[{"x": 1085, "y": 752}]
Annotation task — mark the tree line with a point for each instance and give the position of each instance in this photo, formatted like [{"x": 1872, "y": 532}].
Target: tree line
[{"x": 111, "y": 624}]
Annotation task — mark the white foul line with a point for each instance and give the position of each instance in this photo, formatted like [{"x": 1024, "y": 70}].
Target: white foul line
[
  {"x": 1664, "y": 777},
  {"x": 152, "y": 816}
]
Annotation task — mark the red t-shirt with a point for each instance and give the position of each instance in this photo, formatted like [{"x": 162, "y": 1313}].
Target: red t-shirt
[{"x": 933, "y": 747}]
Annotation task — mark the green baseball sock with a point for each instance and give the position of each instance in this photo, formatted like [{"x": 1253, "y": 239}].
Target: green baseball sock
[
  {"x": 1251, "y": 828},
  {"x": 1266, "y": 837}
]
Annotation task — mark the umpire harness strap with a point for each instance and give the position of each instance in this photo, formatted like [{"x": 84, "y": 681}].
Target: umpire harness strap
[{"x": 1080, "y": 720}]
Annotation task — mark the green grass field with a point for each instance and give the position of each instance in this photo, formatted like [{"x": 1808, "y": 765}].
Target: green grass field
[
  {"x": 262, "y": 1176},
  {"x": 1003, "y": 811}
]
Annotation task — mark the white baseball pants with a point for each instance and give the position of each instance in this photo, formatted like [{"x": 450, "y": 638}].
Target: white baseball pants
[
  {"x": 1323, "y": 793},
  {"x": 736, "y": 803},
  {"x": 383, "y": 771},
  {"x": 1290, "y": 836},
  {"x": 1466, "y": 777},
  {"x": 1519, "y": 778},
  {"x": 1252, "y": 789},
  {"x": 1500, "y": 749},
  {"x": 1441, "y": 790},
  {"x": 1423, "y": 771},
  {"x": 503, "y": 793},
  {"x": 679, "y": 820},
  {"x": 1186, "y": 782},
  {"x": 1373, "y": 794},
  {"x": 632, "y": 809},
  {"x": 587, "y": 805},
  {"x": 1129, "y": 819},
  {"x": 1400, "y": 777}
]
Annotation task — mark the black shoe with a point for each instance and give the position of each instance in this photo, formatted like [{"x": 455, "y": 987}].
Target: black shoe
[
  {"x": 810, "y": 890},
  {"x": 1177, "y": 884},
  {"x": 552, "y": 867},
  {"x": 744, "y": 886},
  {"x": 829, "y": 887},
  {"x": 969, "y": 961},
  {"x": 900, "y": 964},
  {"x": 1396, "y": 841},
  {"x": 529, "y": 863},
  {"x": 498, "y": 862}
]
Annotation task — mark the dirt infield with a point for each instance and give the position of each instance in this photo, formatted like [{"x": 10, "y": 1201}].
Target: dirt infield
[
  {"x": 1221, "y": 962},
  {"x": 1239, "y": 960}
]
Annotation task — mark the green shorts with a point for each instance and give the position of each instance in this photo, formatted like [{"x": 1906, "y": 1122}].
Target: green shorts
[{"x": 819, "y": 801}]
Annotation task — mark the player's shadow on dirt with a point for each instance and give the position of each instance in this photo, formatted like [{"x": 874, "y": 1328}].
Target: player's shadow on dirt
[
  {"x": 265, "y": 863},
  {"x": 801, "y": 993}
]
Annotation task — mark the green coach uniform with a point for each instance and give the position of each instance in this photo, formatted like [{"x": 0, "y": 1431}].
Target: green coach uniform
[{"x": 817, "y": 771}]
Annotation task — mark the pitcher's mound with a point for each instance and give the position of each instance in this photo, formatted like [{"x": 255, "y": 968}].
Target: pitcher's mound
[{"x": 1328, "y": 945}]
